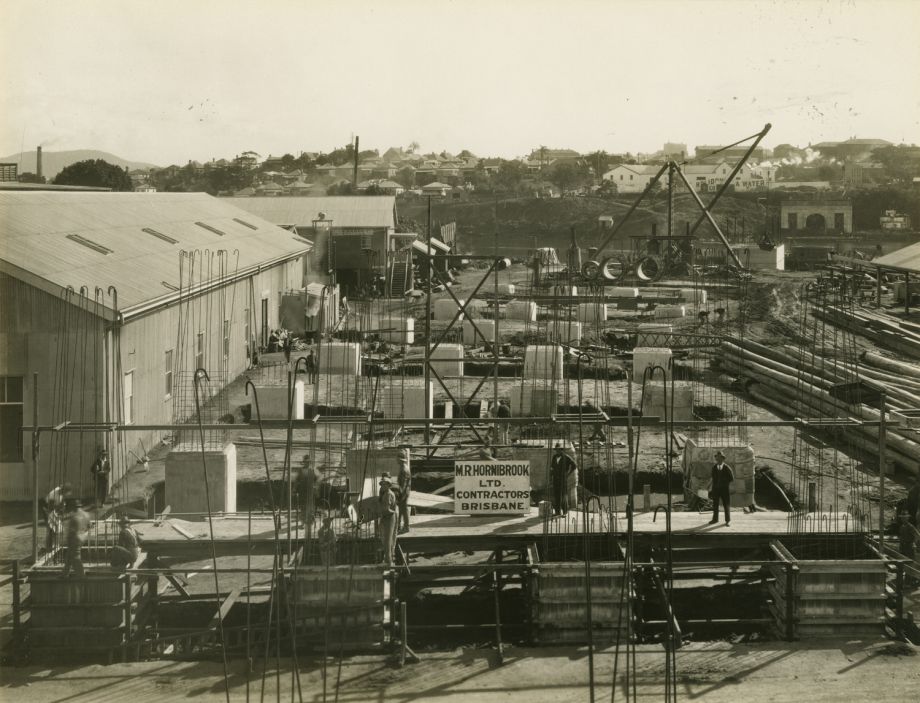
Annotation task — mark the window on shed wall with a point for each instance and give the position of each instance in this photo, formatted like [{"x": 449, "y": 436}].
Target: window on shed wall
[
  {"x": 168, "y": 372},
  {"x": 11, "y": 419},
  {"x": 246, "y": 330},
  {"x": 128, "y": 389}
]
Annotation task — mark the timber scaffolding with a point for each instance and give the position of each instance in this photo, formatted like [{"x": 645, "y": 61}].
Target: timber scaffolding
[{"x": 609, "y": 573}]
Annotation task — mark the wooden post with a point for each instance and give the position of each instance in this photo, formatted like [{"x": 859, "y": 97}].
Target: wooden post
[
  {"x": 17, "y": 600},
  {"x": 899, "y": 602},
  {"x": 498, "y": 618},
  {"x": 882, "y": 466},
  {"x": 790, "y": 602},
  {"x": 906, "y": 293},
  {"x": 35, "y": 445},
  {"x": 646, "y": 497},
  {"x": 127, "y": 606},
  {"x": 403, "y": 633},
  {"x": 812, "y": 496}
]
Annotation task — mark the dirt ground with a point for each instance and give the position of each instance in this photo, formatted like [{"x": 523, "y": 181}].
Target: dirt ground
[{"x": 715, "y": 672}]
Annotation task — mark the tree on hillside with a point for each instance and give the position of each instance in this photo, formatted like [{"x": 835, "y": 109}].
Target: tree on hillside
[
  {"x": 509, "y": 176},
  {"x": 95, "y": 172},
  {"x": 900, "y": 162},
  {"x": 568, "y": 175},
  {"x": 405, "y": 177},
  {"x": 412, "y": 148}
]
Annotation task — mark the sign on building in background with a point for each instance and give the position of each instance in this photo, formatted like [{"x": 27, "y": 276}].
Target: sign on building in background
[{"x": 491, "y": 487}]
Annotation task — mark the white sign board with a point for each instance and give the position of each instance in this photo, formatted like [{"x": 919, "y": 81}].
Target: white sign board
[{"x": 491, "y": 487}]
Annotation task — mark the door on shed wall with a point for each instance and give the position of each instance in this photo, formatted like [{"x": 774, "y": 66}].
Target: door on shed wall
[{"x": 264, "y": 323}]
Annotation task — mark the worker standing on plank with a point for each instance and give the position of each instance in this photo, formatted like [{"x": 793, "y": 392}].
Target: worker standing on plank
[
  {"x": 720, "y": 485},
  {"x": 127, "y": 549},
  {"x": 326, "y": 538},
  {"x": 387, "y": 512},
  {"x": 560, "y": 468},
  {"x": 101, "y": 469},
  {"x": 503, "y": 412},
  {"x": 77, "y": 530},
  {"x": 53, "y": 508},
  {"x": 404, "y": 481}
]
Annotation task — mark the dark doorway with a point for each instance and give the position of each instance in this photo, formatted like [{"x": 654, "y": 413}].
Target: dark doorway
[
  {"x": 815, "y": 222},
  {"x": 264, "y": 323}
]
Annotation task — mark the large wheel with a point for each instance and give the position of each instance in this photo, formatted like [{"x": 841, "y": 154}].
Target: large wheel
[
  {"x": 650, "y": 269},
  {"x": 613, "y": 268},
  {"x": 591, "y": 269}
]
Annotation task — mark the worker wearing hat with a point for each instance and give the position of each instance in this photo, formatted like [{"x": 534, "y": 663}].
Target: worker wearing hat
[
  {"x": 77, "y": 527},
  {"x": 100, "y": 470},
  {"x": 561, "y": 466},
  {"x": 720, "y": 485},
  {"x": 127, "y": 549},
  {"x": 387, "y": 517}
]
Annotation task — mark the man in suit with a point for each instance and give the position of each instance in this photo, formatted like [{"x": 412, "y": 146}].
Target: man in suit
[
  {"x": 560, "y": 468},
  {"x": 720, "y": 485}
]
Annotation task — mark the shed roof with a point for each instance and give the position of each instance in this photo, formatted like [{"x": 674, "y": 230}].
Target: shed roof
[
  {"x": 906, "y": 258},
  {"x": 131, "y": 241},
  {"x": 343, "y": 210}
]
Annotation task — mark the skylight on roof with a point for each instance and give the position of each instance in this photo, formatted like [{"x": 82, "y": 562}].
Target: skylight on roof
[
  {"x": 211, "y": 229},
  {"x": 160, "y": 235},
  {"x": 89, "y": 244},
  {"x": 244, "y": 223}
]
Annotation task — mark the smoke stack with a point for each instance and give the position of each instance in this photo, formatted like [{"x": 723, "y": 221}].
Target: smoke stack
[
  {"x": 38, "y": 162},
  {"x": 357, "y": 141}
]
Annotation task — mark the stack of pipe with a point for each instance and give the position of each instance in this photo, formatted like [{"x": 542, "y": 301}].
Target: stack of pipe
[
  {"x": 797, "y": 383},
  {"x": 885, "y": 330}
]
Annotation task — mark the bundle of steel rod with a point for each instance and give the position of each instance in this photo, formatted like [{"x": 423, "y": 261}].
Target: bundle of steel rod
[
  {"x": 886, "y": 330},
  {"x": 796, "y": 383}
]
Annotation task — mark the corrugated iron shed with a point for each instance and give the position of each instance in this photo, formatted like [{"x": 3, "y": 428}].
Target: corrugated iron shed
[
  {"x": 907, "y": 258},
  {"x": 344, "y": 210},
  {"x": 99, "y": 239}
]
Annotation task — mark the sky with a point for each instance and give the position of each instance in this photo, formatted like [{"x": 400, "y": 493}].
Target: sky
[{"x": 169, "y": 81}]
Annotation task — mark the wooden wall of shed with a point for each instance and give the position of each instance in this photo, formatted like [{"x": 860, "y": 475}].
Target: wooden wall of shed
[
  {"x": 63, "y": 343},
  {"x": 67, "y": 346},
  {"x": 145, "y": 340}
]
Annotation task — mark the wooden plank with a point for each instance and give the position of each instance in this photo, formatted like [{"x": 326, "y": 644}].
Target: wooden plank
[
  {"x": 175, "y": 584},
  {"x": 224, "y": 609},
  {"x": 182, "y": 531}
]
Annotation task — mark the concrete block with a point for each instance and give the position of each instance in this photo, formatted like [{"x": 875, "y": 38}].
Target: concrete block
[
  {"x": 474, "y": 338},
  {"x": 543, "y": 361},
  {"x": 339, "y": 358},
  {"x": 521, "y": 310},
  {"x": 622, "y": 292},
  {"x": 534, "y": 401},
  {"x": 757, "y": 258},
  {"x": 447, "y": 359},
  {"x": 185, "y": 480},
  {"x": 592, "y": 314},
  {"x": 699, "y": 458},
  {"x": 539, "y": 458},
  {"x": 564, "y": 290},
  {"x": 669, "y": 311},
  {"x": 395, "y": 328},
  {"x": 510, "y": 289},
  {"x": 475, "y": 308},
  {"x": 645, "y": 357},
  {"x": 445, "y": 309},
  {"x": 361, "y": 464},
  {"x": 564, "y": 331},
  {"x": 659, "y": 400},
  {"x": 696, "y": 296},
  {"x": 273, "y": 401},
  {"x": 409, "y": 401}
]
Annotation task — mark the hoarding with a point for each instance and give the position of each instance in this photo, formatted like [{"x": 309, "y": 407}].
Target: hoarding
[{"x": 491, "y": 487}]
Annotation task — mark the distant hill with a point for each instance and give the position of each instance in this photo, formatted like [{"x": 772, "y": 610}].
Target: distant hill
[{"x": 53, "y": 162}]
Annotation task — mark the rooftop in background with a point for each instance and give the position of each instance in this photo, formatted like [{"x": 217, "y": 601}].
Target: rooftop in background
[
  {"x": 344, "y": 210},
  {"x": 128, "y": 240},
  {"x": 5, "y": 185}
]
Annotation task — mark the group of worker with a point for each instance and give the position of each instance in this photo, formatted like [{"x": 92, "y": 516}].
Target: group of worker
[{"x": 393, "y": 506}]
